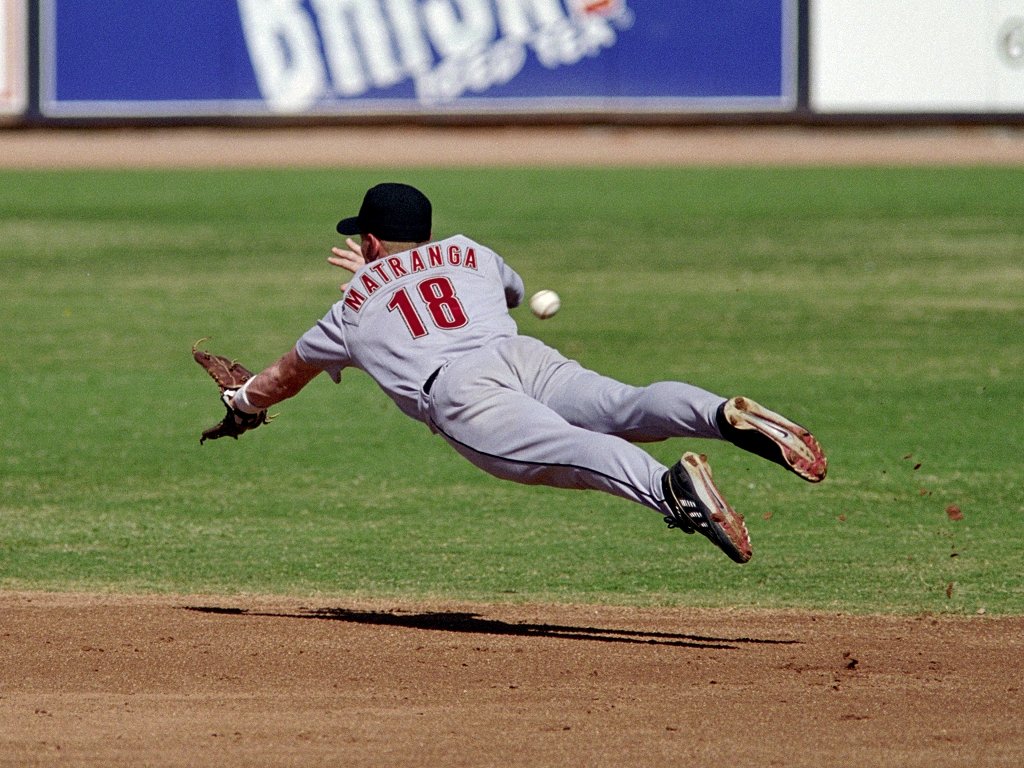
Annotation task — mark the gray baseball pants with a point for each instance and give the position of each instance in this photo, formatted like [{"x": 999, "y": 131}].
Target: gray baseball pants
[{"x": 522, "y": 411}]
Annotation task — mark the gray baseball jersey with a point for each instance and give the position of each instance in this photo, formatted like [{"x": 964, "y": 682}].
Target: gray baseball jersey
[
  {"x": 431, "y": 326},
  {"x": 403, "y": 316}
]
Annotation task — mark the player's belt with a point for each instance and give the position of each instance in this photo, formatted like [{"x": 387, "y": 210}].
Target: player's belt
[{"x": 430, "y": 381}]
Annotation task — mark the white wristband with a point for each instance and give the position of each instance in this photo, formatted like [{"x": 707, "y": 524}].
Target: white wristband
[{"x": 240, "y": 402}]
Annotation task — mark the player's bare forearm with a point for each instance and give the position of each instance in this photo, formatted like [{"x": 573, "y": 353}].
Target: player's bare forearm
[{"x": 280, "y": 380}]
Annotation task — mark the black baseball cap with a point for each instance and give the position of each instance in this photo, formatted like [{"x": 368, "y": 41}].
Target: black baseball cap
[{"x": 396, "y": 212}]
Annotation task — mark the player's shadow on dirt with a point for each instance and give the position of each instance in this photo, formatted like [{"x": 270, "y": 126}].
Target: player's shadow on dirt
[{"x": 473, "y": 623}]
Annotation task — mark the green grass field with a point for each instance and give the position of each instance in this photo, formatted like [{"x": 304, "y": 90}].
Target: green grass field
[{"x": 882, "y": 308}]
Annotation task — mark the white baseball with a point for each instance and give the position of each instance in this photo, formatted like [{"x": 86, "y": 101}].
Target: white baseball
[{"x": 545, "y": 304}]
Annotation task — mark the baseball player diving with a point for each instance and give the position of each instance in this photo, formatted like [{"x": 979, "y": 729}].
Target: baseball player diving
[{"x": 429, "y": 321}]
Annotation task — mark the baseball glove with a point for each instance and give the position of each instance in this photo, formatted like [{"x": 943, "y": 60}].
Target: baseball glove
[{"x": 229, "y": 375}]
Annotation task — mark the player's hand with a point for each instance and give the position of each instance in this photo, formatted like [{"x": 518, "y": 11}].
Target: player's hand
[{"x": 351, "y": 259}]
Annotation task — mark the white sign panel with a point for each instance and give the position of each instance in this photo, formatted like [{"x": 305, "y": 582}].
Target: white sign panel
[
  {"x": 922, "y": 56},
  {"x": 13, "y": 57},
  {"x": 1007, "y": 20}
]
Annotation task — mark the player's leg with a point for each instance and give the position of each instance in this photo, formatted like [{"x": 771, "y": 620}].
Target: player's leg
[
  {"x": 512, "y": 436},
  {"x": 478, "y": 406},
  {"x": 602, "y": 404},
  {"x": 676, "y": 409},
  {"x": 654, "y": 412},
  {"x": 543, "y": 449},
  {"x": 481, "y": 404}
]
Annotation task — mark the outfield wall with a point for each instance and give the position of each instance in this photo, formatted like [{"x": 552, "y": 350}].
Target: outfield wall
[
  {"x": 917, "y": 56},
  {"x": 267, "y": 61},
  {"x": 13, "y": 58}
]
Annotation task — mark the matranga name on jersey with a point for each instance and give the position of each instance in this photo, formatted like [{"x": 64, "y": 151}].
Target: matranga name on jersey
[{"x": 379, "y": 273}]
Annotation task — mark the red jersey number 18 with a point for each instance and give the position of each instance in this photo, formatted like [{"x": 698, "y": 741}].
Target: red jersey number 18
[{"x": 438, "y": 296}]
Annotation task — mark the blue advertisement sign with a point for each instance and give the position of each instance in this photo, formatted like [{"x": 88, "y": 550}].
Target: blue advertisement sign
[{"x": 366, "y": 57}]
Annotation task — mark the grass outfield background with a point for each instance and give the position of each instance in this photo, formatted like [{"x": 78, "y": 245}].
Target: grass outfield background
[{"x": 882, "y": 308}]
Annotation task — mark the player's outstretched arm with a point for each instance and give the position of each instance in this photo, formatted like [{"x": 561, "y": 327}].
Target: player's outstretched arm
[{"x": 279, "y": 381}]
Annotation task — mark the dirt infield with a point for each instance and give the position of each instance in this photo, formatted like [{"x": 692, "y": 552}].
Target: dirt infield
[
  {"x": 517, "y": 146},
  {"x": 130, "y": 681},
  {"x": 257, "y": 681}
]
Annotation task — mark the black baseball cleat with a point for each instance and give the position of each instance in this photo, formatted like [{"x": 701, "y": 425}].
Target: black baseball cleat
[
  {"x": 698, "y": 507},
  {"x": 765, "y": 433}
]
